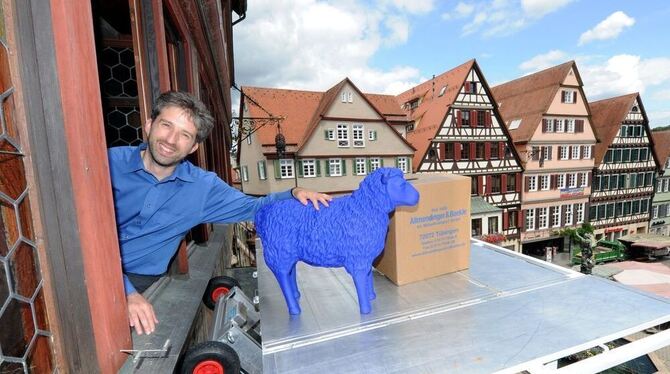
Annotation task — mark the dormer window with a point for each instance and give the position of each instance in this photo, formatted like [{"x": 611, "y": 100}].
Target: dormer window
[
  {"x": 413, "y": 104},
  {"x": 442, "y": 91},
  {"x": 470, "y": 87},
  {"x": 568, "y": 96}
]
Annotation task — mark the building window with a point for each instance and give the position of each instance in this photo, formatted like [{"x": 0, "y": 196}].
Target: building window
[
  {"x": 585, "y": 181},
  {"x": 632, "y": 180},
  {"x": 559, "y": 125},
  {"x": 495, "y": 183},
  {"x": 630, "y": 131},
  {"x": 532, "y": 183},
  {"x": 572, "y": 180},
  {"x": 403, "y": 164},
  {"x": 550, "y": 125},
  {"x": 476, "y": 227},
  {"x": 481, "y": 118},
  {"x": 610, "y": 210},
  {"x": 569, "y": 125},
  {"x": 347, "y": 97},
  {"x": 262, "y": 173},
  {"x": 568, "y": 214},
  {"x": 444, "y": 88},
  {"x": 654, "y": 211},
  {"x": 564, "y": 152},
  {"x": 357, "y": 135},
  {"x": 568, "y": 96},
  {"x": 513, "y": 217},
  {"x": 556, "y": 217},
  {"x": 372, "y": 135},
  {"x": 473, "y": 186},
  {"x": 335, "y": 167},
  {"x": 635, "y": 154},
  {"x": 309, "y": 168},
  {"x": 626, "y": 208},
  {"x": 622, "y": 131},
  {"x": 465, "y": 151},
  {"x": 245, "y": 174},
  {"x": 543, "y": 219},
  {"x": 530, "y": 219},
  {"x": 561, "y": 180},
  {"x": 375, "y": 163},
  {"x": 644, "y": 154},
  {"x": 575, "y": 152},
  {"x": 617, "y": 155},
  {"x": 580, "y": 213},
  {"x": 342, "y": 136},
  {"x": 495, "y": 151},
  {"x": 587, "y": 152},
  {"x": 493, "y": 225},
  {"x": 449, "y": 150},
  {"x": 465, "y": 118},
  {"x": 285, "y": 168},
  {"x": 625, "y": 155},
  {"x": 544, "y": 182},
  {"x": 471, "y": 88},
  {"x": 638, "y": 131},
  {"x": 360, "y": 166},
  {"x": 592, "y": 213},
  {"x": 479, "y": 151},
  {"x": 511, "y": 182}
]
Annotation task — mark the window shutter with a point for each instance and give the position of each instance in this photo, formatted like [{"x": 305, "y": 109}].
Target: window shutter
[
  {"x": 588, "y": 179},
  {"x": 487, "y": 151},
  {"x": 489, "y": 184},
  {"x": 518, "y": 182},
  {"x": 325, "y": 133},
  {"x": 553, "y": 181},
  {"x": 381, "y": 162},
  {"x": 353, "y": 166},
  {"x": 300, "y": 170},
  {"x": 537, "y": 219},
  {"x": 545, "y": 125},
  {"x": 318, "y": 167},
  {"x": 551, "y": 217},
  {"x": 457, "y": 151},
  {"x": 501, "y": 150},
  {"x": 480, "y": 185},
  {"x": 459, "y": 118},
  {"x": 368, "y": 165},
  {"x": 522, "y": 220},
  {"x": 397, "y": 163},
  {"x": 343, "y": 162},
  {"x": 505, "y": 220},
  {"x": 467, "y": 87},
  {"x": 525, "y": 185},
  {"x": 258, "y": 168},
  {"x": 579, "y": 125},
  {"x": 473, "y": 151},
  {"x": 409, "y": 160},
  {"x": 443, "y": 150},
  {"x": 563, "y": 96},
  {"x": 326, "y": 163},
  {"x": 374, "y": 134},
  {"x": 549, "y": 149},
  {"x": 473, "y": 118},
  {"x": 579, "y": 179},
  {"x": 536, "y": 153},
  {"x": 277, "y": 171},
  {"x": 592, "y": 155},
  {"x": 487, "y": 119},
  {"x": 503, "y": 184}
]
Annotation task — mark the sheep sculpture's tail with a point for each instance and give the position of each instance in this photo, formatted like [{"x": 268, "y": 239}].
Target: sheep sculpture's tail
[{"x": 291, "y": 232}]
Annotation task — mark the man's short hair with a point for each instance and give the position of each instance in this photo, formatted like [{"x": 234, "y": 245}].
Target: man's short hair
[{"x": 192, "y": 106}]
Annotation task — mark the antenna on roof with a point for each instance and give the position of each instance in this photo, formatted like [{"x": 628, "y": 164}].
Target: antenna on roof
[{"x": 433, "y": 87}]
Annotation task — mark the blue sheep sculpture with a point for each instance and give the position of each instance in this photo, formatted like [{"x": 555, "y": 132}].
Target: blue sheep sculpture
[{"x": 350, "y": 233}]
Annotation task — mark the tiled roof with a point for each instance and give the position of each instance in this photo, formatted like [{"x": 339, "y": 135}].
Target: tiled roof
[
  {"x": 432, "y": 109},
  {"x": 529, "y": 97},
  {"x": 661, "y": 145},
  {"x": 606, "y": 118}
]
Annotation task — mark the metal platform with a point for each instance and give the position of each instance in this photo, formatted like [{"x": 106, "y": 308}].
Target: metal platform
[{"x": 506, "y": 313}]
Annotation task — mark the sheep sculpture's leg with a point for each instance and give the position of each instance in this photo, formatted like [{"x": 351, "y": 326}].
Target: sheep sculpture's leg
[
  {"x": 371, "y": 291},
  {"x": 294, "y": 282},
  {"x": 286, "y": 285},
  {"x": 361, "y": 280}
]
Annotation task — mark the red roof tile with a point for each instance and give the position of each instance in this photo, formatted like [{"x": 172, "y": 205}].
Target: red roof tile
[
  {"x": 661, "y": 146},
  {"x": 606, "y": 118}
]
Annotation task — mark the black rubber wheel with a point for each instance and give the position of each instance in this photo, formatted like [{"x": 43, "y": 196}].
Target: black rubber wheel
[
  {"x": 211, "y": 357},
  {"x": 216, "y": 288}
]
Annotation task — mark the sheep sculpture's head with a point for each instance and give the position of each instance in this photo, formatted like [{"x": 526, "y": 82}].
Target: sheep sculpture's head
[{"x": 399, "y": 191}]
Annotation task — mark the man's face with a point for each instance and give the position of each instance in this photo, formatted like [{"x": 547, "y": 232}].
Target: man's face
[{"x": 171, "y": 137}]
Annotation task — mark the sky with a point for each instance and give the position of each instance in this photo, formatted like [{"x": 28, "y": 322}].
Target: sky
[{"x": 388, "y": 46}]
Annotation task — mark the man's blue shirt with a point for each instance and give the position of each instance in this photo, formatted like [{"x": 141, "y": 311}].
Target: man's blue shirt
[{"x": 153, "y": 216}]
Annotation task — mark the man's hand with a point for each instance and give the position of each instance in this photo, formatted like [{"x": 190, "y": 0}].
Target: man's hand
[
  {"x": 304, "y": 196},
  {"x": 141, "y": 314}
]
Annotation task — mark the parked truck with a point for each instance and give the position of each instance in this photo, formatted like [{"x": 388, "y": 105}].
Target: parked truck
[{"x": 603, "y": 251}]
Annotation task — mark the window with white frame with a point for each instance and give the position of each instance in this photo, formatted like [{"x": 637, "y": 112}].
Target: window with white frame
[
  {"x": 550, "y": 125},
  {"x": 530, "y": 219},
  {"x": 569, "y": 125},
  {"x": 543, "y": 219},
  {"x": 560, "y": 125},
  {"x": 654, "y": 211},
  {"x": 568, "y": 214},
  {"x": 245, "y": 173},
  {"x": 360, "y": 166},
  {"x": 659, "y": 185},
  {"x": 309, "y": 168},
  {"x": 403, "y": 164},
  {"x": 344, "y": 96},
  {"x": 561, "y": 180},
  {"x": 342, "y": 136},
  {"x": 330, "y": 134},
  {"x": 375, "y": 163},
  {"x": 544, "y": 182},
  {"x": 532, "y": 183},
  {"x": 587, "y": 152},
  {"x": 564, "y": 152},
  {"x": 372, "y": 135},
  {"x": 556, "y": 217},
  {"x": 575, "y": 152},
  {"x": 572, "y": 180},
  {"x": 357, "y": 132},
  {"x": 285, "y": 168},
  {"x": 262, "y": 174},
  {"x": 546, "y": 153},
  {"x": 580, "y": 213},
  {"x": 335, "y": 167},
  {"x": 666, "y": 184},
  {"x": 585, "y": 181},
  {"x": 350, "y": 97},
  {"x": 569, "y": 96}
]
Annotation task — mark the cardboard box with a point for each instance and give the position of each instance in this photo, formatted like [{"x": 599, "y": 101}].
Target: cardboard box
[{"x": 433, "y": 237}]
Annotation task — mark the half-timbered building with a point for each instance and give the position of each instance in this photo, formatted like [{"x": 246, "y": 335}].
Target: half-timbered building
[
  {"x": 625, "y": 168},
  {"x": 456, "y": 128},
  {"x": 549, "y": 120},
  {"x": 660, "y": 207},
  {"x": 331, "y": 140}
]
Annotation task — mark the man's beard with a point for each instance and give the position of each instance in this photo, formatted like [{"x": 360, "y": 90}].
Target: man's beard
[{"x": 162, "y": 160}]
